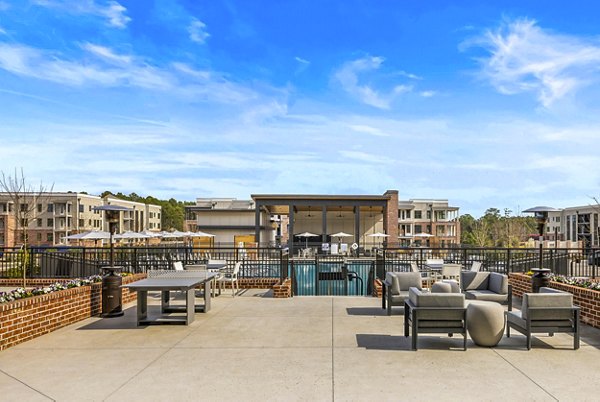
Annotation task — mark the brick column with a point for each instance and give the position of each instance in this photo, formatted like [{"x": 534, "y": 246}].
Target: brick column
[{"x": 391, "y": 219}]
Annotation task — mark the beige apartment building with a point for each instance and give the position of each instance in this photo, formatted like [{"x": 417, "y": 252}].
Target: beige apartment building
[
  {"x": 579, "y": 225},
  {"x": 232, "y": 220},
  {"x": 52, "y": 216},
  {"x": 433, "y": 217}
]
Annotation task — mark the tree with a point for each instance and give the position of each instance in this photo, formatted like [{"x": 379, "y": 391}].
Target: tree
[{"x": 25, "y": 198}]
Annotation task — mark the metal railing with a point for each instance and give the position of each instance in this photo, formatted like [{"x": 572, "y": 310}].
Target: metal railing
[
  {"x": 76, "y": 262},
  {"x": 319, "y": 275}
]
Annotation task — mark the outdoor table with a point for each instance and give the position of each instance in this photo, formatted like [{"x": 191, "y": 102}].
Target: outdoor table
[{"x": 165, "y": 282}]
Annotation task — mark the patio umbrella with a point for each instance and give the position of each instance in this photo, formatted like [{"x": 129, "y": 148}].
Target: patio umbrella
[
  {"x": 378, "y": 235},
  {"x": 150, "y": 233},
  {"x": 131, "y": 235},
  {"x": 199, "y": 234},
  {"x": 422, "y": 235},
  {"x": 306, "y": 235}
]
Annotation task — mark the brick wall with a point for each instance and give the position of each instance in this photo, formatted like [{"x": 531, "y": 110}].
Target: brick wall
[
  {"x": 283, "y": 290},
  {"x": 25, "y": 319},
  {"x": 587, "y": 299}
]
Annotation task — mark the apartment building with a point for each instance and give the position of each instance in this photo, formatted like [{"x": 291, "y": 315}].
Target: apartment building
[
  {"x": 52, "y": 216},
  {"x": 424, "y": 217},
  {"x": 233, "y": 220},
  {"x": 575, "y": 224},
  {"x": 230, "y": 220}
]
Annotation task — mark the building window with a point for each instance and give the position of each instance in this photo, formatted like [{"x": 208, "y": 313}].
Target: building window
[
  {"x": 428, "y": 214},
  {"x": 81, "y": 208},
  {"x": 24, "y": 222},
  {"x": 418, "y": 228},
  {"x": 39, "y": 208},
  {"x": 39, "y": 222},
  {"x": 418, "y": 214},
  {"x": 50, "y": 222},
  {"x": 38, "y": 236},
  {"x": 49, "y": 237},
  {"x": 23, "y": 207},
  {"x": 50, "y": 207},
  {"x": 81, "y": 222},
  {"x": 68, "y": 208},
  {"x": 90, "y": 222}
]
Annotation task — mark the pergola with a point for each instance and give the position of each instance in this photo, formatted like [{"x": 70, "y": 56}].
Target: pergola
[{"x": 293, "y": 204}]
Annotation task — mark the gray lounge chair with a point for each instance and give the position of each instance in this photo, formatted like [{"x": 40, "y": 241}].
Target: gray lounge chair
[
  {"x": 487, "y": 286},
  {"x": 395, "y": 288},
  {"x": 434, "y": 313},
  {"x": 549, "y": 311}
]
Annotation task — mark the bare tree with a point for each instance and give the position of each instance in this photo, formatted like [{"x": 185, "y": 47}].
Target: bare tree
[{"x": 24, "y": 198}]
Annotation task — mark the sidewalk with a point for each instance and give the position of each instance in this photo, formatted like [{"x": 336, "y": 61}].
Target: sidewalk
[{"x": 305, "y": 348}]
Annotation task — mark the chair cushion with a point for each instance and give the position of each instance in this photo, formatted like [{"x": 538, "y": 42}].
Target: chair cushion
[
  {"x": 516, "y": 317},
  {"x": 486, "y": 295},
  {"x": 402, "y": 281},
  {"x": 422, "y": 299},
  {"x": 441, "y": 287},
  {"x": 498, "y": 283},
  {"x": 475, "y": 280},
  {"x": 548, "y": 300}
]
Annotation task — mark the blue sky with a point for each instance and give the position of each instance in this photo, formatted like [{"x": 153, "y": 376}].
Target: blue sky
[{"x": 487, "y": 104}]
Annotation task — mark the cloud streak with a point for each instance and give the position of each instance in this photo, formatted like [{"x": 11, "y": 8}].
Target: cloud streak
[
  {"x": 348, "y": 76},
  {"x": 112, "y": 12},
  {"x": 523, "y": 58},
  {"x": 197, "y": 31}
]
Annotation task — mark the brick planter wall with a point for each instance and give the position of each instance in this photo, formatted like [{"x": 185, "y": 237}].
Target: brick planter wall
[
  {"x": 31, "y": 283},
  {"x": 283, "y": 290},
  {"x": 25, "y": 319},
  {"x": 587, "y": 299}
]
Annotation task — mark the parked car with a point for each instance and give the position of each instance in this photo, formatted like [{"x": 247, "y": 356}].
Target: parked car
[{"x": 594, "y": 258}]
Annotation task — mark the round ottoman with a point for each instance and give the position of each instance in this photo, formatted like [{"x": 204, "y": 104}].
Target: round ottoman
[{"x": 485, "y": 322}]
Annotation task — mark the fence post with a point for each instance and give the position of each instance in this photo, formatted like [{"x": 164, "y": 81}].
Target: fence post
[{"x": 508, "y": 263}]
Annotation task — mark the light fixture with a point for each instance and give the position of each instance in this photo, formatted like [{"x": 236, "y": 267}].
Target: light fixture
[
  {"x": 339, "y": 215},
  {"x": 309, "y": 215}
]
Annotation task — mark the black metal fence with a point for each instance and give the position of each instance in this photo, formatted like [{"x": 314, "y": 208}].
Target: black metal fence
[
  {"x": 319, "y": 275},
  {"x": 77, "y": 262}
]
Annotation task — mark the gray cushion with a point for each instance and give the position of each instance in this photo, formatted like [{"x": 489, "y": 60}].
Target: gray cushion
[
  {"x": 517, "y": 318},
  {"x": 498, "y": 283},
  {"x": 441, "y": 287},
  {"x": 422, "y": 299},
  {"x": 475, "y": 280},
  {"x": 402, "y": 281},
  {"x": 548, "y": 299},
  {"x": 486, "y": 295}
]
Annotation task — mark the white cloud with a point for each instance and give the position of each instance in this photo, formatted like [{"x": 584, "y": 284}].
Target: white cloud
[
  {"x": 113, "y": 70},
  {"x": 368, "y": 130},
  {"x": 301, "y": 60},
  {"x": 197, "y": 31},
  {"x": 348, "y": 77},
  {"x": 427, "y": 94},
  {"x": 2, "y": 31},
  {"x": 112, "y": 11},
  {"x": 106, "y": 53},
  {"x": 525, "y": 58}
]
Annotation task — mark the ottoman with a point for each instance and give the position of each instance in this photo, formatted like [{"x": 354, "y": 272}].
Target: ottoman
[{"x": 485, "y": 322}]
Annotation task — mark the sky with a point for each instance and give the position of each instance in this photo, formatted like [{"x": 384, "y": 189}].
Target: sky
[{"x": 487, "y": 104}]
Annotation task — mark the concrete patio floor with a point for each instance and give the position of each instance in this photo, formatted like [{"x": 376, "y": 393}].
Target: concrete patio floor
[{"x": 254, "y": 347}]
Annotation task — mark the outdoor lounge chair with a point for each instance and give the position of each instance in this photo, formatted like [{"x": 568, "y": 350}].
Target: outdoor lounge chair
[
  {"x": 476, "y": 266},
  {"x": 487, "y": 286},
  {"x": 395, "y": 288},
  {"x": 426, "y": 276},
  {"x": 443, "y": 313},
  {"x": 549, "y": 311}
]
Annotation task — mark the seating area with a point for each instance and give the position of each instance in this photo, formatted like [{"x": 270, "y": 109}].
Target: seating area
[{"x": 475, "y": 303}]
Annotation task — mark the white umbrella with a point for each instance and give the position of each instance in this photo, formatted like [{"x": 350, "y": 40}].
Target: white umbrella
[
  {"x": 96, "y": 235},
  {"x": 170, "y": 235},
  {"x": 131, "y": 235},
  {"x": 76, "y": 236},
  {"x": 306, "y": 235},
  {"x": 150, "y": 233},
  {"x": 379, "y": 235},
  {"x": 422, "y": 235},
  {"x": 341, "y": 234},
  {"x": 199, "y": 234}
]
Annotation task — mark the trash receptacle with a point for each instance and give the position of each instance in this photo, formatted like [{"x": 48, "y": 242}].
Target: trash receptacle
[{"x": 112, "y": 299}]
